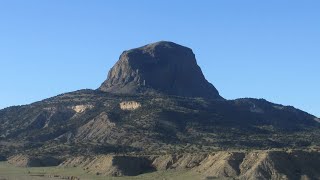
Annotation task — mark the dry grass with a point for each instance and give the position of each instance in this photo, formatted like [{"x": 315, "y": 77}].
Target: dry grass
[{"x": 10, "y": 172}]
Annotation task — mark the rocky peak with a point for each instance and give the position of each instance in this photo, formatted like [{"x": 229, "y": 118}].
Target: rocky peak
[{"x": 161, "y": 67}]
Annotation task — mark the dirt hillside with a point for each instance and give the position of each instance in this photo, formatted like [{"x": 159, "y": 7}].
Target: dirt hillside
[{"x": 238, "y": 165}]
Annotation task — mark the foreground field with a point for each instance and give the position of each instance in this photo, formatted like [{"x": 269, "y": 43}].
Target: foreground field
[{"x": 10, "y": 172}]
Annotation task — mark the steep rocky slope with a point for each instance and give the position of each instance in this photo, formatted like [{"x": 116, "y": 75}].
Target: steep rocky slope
[{"x": 162, "y": 67}]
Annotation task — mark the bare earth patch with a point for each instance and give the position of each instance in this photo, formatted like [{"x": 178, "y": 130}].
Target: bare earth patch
[{"x": 130, "y": 105}]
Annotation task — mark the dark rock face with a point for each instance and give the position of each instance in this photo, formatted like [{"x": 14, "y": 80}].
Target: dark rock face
[{"x": 162, "y": 67}]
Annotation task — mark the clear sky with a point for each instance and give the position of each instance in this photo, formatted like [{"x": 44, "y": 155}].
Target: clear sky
[{"x": 248, "y": 48}]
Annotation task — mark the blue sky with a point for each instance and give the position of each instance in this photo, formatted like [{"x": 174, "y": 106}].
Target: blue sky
[{"x": 262, "y": 49}]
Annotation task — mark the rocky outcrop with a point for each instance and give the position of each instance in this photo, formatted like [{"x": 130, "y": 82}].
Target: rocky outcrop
[
  {"x": 185, "y": 161},
  {"x": 97, "y": 129},
  {"x": 112, "y": 165},
  {"x": 162, "y": 67},
  {"x": 221, "y": 164},
  {"x": 29, "y": 161},
  {"x": 281, "y": 165},
  {"x": 130, "y": 105},
  {"x": 81, "y": 108}
]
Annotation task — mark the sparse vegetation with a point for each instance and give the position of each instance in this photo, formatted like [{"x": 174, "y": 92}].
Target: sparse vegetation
[{"x": 163, "y": 124}]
